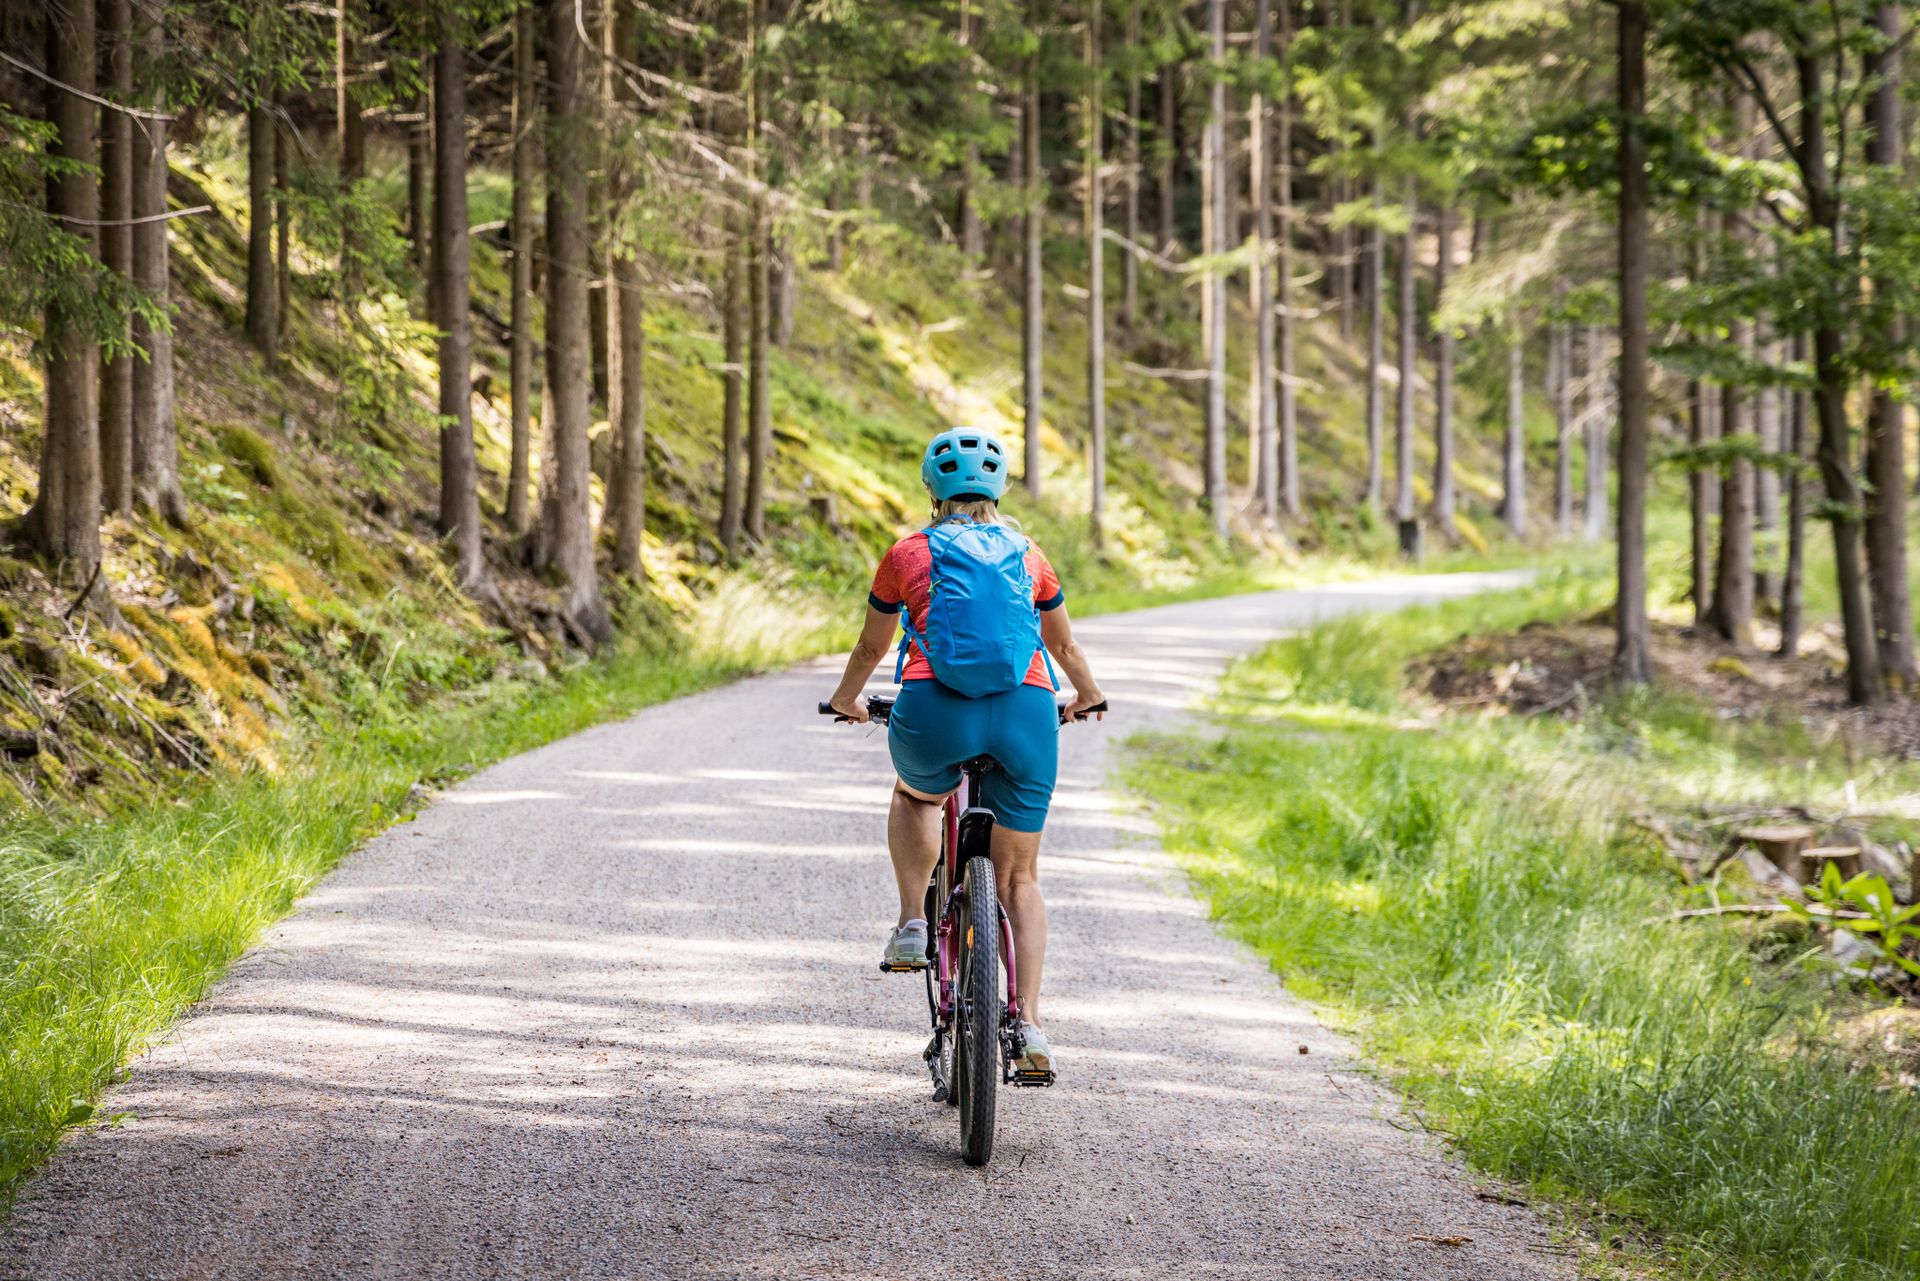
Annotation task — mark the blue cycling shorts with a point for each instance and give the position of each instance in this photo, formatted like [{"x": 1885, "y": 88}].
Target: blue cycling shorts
[{"x": 934, "y": 729}]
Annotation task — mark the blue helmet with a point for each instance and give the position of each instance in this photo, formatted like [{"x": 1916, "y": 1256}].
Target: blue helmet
[{"x": 964, "y": 460}]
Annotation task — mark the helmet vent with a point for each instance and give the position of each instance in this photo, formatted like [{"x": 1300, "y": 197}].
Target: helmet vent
[
  {"x": 988, "y": 464},
  {"x": 949, "y": 467},
  {"x": 969, "y": 442}
]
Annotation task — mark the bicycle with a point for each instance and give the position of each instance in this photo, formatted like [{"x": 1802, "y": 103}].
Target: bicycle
[{"x": 976, "y": 1036}]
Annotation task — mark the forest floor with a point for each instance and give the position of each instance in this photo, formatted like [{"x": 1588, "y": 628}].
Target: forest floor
[
  {"x": 1561, "y": 669},
  {"x": 1445, "y": 830}
]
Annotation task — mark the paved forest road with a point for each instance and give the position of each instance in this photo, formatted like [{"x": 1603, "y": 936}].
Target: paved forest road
[{"x": 611, "y": 1010}]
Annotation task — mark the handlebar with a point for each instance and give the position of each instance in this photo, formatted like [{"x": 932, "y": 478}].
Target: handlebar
[{"x": 880, "y": 709}]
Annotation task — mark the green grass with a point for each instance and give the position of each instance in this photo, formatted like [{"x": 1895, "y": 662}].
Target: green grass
[{"x": 1459, "y": 895}]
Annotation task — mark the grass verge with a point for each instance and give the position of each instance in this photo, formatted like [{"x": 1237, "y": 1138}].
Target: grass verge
[{"x": 1459, "y": 894}]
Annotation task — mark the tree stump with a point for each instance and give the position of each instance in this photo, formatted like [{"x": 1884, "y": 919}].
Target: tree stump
[
  {"x": 1781, "y": 844},
  {"x": 1844, "y": 857}
]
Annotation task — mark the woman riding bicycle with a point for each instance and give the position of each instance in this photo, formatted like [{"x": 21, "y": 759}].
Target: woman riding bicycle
[{"x": 934, "y": 728}]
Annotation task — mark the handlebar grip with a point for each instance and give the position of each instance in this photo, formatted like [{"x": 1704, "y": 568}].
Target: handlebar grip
[
  {"x": 1084, "y": 712},
  {"x": 826, "y": 709}
]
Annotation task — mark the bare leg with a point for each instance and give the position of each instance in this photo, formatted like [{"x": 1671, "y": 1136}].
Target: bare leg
[
  {"x": 913, "y": 838},
  {"x": 1016, "y": 867}
]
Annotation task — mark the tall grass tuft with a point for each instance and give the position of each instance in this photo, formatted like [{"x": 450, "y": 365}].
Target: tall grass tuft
[{"x": 1459, "y": 894}]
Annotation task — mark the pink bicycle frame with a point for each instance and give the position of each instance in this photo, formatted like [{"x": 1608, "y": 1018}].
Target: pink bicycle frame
[{"x": 946, "y": 949}]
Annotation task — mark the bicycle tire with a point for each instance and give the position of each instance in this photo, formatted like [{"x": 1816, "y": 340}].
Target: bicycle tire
[{"x": 976, "y": 1056}]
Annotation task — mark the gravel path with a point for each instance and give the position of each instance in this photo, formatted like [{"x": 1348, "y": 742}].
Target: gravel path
[{"x": 610, "y": 1009}]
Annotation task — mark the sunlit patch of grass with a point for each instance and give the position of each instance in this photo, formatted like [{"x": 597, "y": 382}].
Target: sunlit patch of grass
[{"x": 1465, "y": 899}]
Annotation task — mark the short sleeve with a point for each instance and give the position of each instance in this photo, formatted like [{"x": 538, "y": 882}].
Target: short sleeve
[
  {"x": 886, "y": 595},
  {"x": 1047, "y": 592}
]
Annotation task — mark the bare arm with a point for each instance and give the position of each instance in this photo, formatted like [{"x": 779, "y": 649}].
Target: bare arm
[
  {"x": 1056, "y": 630},
  {"x": 875, "y": 635}
]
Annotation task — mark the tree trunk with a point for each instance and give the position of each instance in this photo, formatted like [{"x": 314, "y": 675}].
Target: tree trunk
[
  {"x": 1403, "y": 424},
  {"x": 520, "y": 355},
  {"x": 1793, "y": 582},
  {"x": 1129, "y": 262},
  {"x": 1032, "y": 333},
  {"x": 282, "y": 218},
  {"x": 1284, "y": 460},
  {"x": 759, "y": 410},
  {"x": 973, "y": 236},
  {"x": 1167, "y": 99},
  {"x": 1732, "y": 615},
  {"x": 262, "y": 319},
  {"x": 731, "y": 445},
  {"x": 1376, "y": 263},
  {"x": 1766, "y": 483},
  {"x": 116, "y": 250},
  {"x": 350, "y": 137},
  {"x": 349, "y": 128},
  {"x": 1703, "y": 493},
  {"x": 1560, "y": 387},
  {"x": 1443, "y": 490},
  {"x": 156, "y": 449},
  {"x": 1213, "y": 165},
  {"x": 759, "y": 279},
  {"x": 1513, "y": 472},
  {"x": 1703, "y": 496},
  {"x": 417, "y": 182},
  {"x": 1263, "y": 418},
  {"x": 1596, "y": 436},
  {"x": 1886, "y": 462},
  {"x": 459, "y": 473},
  {"x": 64, "y": 521},
  {"x": 627, "y": 308},
  {"x": 570, "y": 361},
  {"x": 1096, "y": 281},
  {"x": 1632, "y": 653},
  {"x": 1346, "y": 260},
  {"x": 785, "y": 293}
]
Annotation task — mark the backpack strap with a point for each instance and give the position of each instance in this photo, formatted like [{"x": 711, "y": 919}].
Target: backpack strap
[{"x": 908, "y": 635}]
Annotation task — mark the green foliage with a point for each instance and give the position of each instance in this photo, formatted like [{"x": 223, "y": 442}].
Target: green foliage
[
  {"x": 45, "y": 265},
  {"x": 1459, "y": 895},
  {"x": 1863, "y": 904}
]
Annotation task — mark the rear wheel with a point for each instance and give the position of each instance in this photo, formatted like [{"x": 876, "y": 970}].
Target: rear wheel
[{"x": 976, "y": 1047}]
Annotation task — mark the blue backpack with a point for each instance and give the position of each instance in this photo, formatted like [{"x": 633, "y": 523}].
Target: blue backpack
[{"x": 982, "y": 629}]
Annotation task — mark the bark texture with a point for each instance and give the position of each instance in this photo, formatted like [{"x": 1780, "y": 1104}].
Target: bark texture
[
  {"x": 1886, "y": 462},
  {"x": 459, "y": 472},
  {"x": 1033, "y": 225},
  {"x": 1214, "y": 169},
  {"x": 156, "y": 448},
  {"x": 1443, "y": 488},
  {"x": 569, "y": 360},
  {"x": 64, "y": 521},
  {"x": 116, "y": 249},
  {"x": 1095, "y": 220},
  {"x": 1632, "y": 653},
  {"x": 263, "y": 310},
  {"x": 521, "y": 307}
]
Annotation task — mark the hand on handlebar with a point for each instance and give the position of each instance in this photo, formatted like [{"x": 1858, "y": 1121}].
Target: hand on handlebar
[
  {"x": 1083, "y": 705},
  {"x": 854, "y": 709}
]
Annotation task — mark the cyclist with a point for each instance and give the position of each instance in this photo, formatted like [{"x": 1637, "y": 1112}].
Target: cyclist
[{"x": 934, "y": 729}]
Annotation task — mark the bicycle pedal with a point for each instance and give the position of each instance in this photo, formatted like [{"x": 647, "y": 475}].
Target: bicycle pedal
[
  {"x": 1024, "y": 1077},
  {"x": 900, "y": 969}
]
